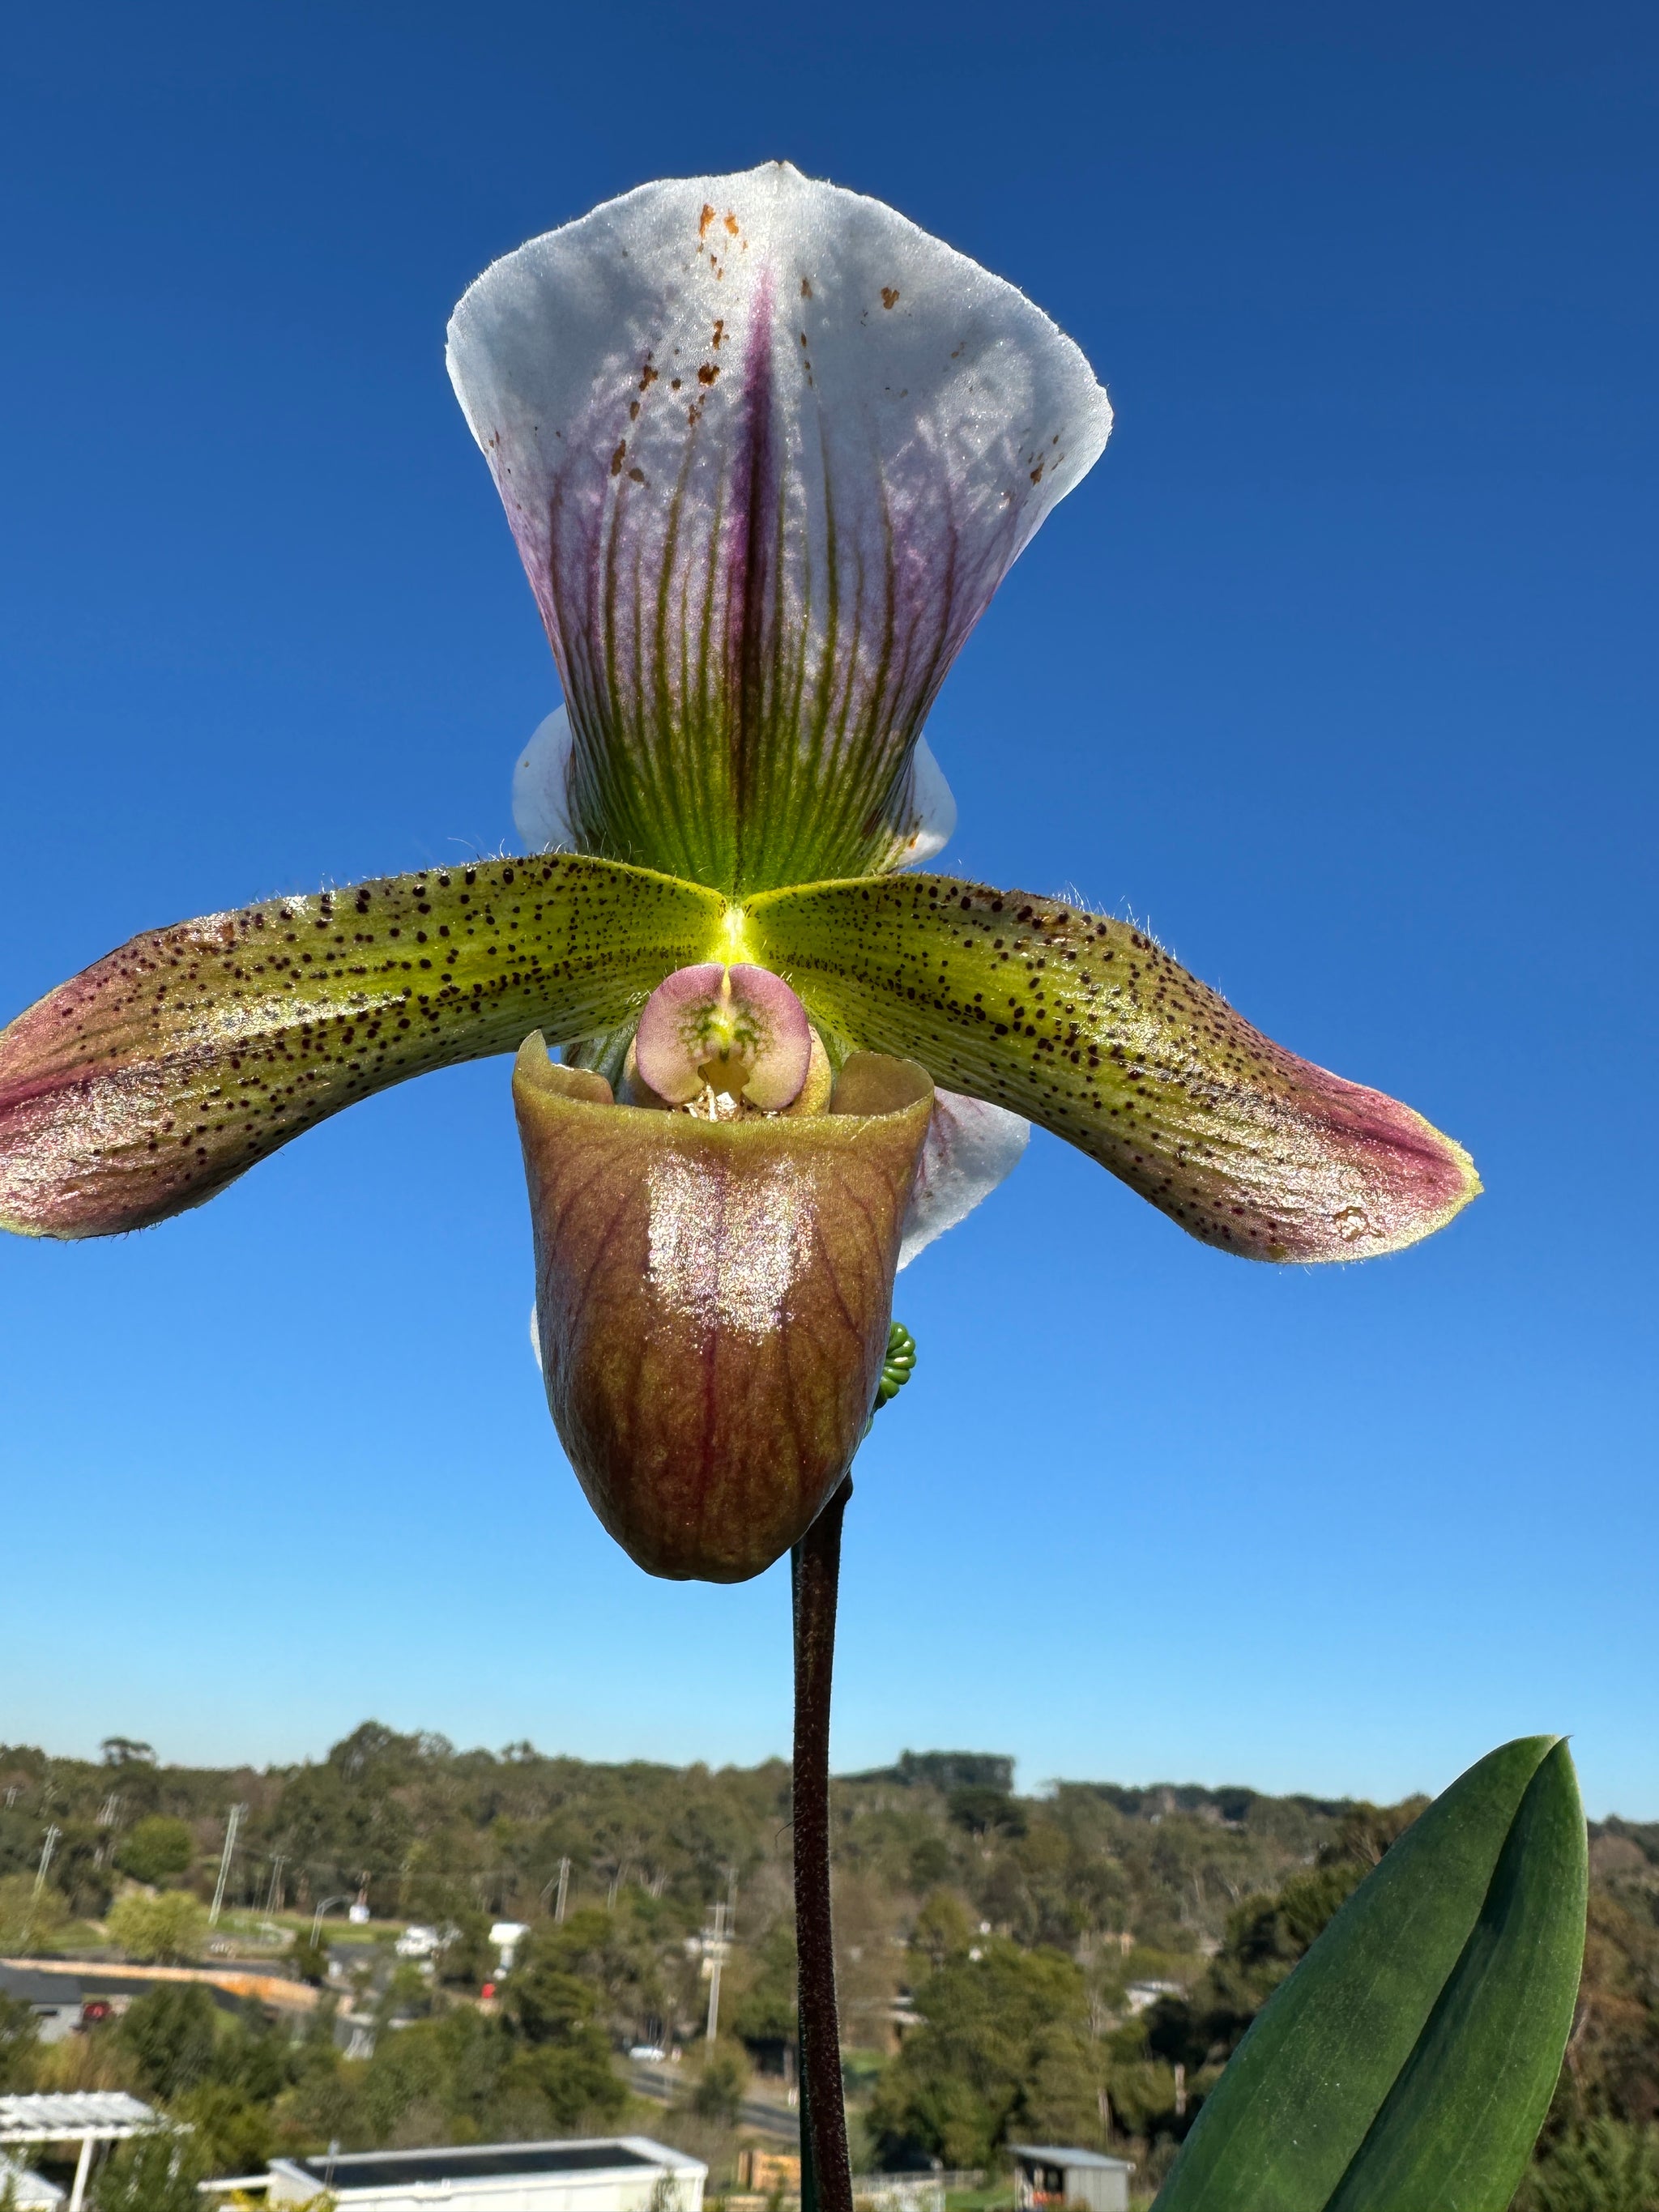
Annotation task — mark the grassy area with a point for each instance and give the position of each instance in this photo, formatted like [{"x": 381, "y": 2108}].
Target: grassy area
[{"x": 73, "y": 1935}]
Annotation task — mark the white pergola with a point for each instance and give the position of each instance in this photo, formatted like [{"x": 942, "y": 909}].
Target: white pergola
[{"x": 88, "y": 2116}]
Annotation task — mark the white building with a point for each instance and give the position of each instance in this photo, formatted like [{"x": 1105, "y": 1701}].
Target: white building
[
  {"x": 420, "y": 1941},
  {"x": 31, "y": 2192},
  {"x": 1141, "y": 1997},
  {"x": 1047, "y": 2174},
  {"x": 507, "y": 1936},
  {"x": 85, "y": 2117},
  {"x": 617, "y": 2173}
]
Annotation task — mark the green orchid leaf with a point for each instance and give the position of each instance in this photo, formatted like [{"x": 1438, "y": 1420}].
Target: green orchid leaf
[
  {"x": 147, "y": 1083},
  {"x": 1085, "y": 1025},
  {"x": 1409, "y": 2059},
  {"x": 1465, "y": 2113}
]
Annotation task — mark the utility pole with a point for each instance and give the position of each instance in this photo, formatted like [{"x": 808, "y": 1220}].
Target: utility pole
[
  {"x": 274, "y": 1894},
  {"x": 231, "y": 1826},
  {"x": 716, "y": 1946},
  {"x": 46, "y": 1851},
  {"x": 564, "y": 1892},
  {"x": 107, "y": 1813},
  {"x": 47, "y": 1848}
]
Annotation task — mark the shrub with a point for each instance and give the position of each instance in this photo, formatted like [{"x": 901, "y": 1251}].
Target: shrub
[
  {"x": 154, "y": 2172},
  {"x": 165, "y": 1931},
  {"x": 29, "y": 1922},
  {"x": 169, "y": 2033},
  {"x": 1607, "y": 2165},
  {"x": 721, "y": 2080},
  {"x": 157, "y": 1850}
]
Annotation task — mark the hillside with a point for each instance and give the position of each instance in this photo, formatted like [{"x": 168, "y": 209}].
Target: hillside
[{"x": 1074, "y": 1965}]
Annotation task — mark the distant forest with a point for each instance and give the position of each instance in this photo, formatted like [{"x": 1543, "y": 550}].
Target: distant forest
[{"x": 1075, "y": 1966}]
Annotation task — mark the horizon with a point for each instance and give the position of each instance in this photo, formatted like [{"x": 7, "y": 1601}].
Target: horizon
[{"x": 514, "y": 1752}]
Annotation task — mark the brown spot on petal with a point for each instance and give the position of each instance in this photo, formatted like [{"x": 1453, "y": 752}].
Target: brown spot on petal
[
  {"x": 222, "y": 1039},
  {"x": 1106, "y": 1040}
]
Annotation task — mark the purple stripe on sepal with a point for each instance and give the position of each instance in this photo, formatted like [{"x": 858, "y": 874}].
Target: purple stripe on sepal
[{"x": 767, "y": 450}]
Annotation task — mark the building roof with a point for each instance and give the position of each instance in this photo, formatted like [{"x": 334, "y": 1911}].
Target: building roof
[
  {"x": 109, "y": 2114},
  {"x": 37, "y": 1987},
  {"x": 1052, "y": 2154},
  {"x": 225, "y": 1983},
  {"x": 387, "y": 2169},
  {"x": 74, "y": 1982}
]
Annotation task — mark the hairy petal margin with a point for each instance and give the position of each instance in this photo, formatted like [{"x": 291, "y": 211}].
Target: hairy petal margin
[
  {"x": 1086, "y": 1026},
  {"x": 167, "y": 1069}
]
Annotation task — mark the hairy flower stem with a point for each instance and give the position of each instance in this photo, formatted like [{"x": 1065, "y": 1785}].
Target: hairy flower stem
[{"x": 815, "y": 1570}]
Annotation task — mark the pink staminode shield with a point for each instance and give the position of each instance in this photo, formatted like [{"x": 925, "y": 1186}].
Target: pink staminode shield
[{"x": 740, "y": 1030}]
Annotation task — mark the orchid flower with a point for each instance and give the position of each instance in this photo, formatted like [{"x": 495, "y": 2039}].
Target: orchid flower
[{"x": 767, "y": 450}]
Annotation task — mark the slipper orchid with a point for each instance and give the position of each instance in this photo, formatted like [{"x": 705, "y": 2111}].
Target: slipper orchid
[{"x": 767, "y": 450}]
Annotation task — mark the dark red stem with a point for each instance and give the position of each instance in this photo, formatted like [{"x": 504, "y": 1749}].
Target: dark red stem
[{"x": 826, "y": 2175}]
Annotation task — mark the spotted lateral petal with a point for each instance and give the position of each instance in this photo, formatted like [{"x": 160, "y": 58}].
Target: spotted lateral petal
[
  {"x": 767, "y": 450},
  {"x": 1086, "y": 1026},
  {"x": 146, "y": 1084}
]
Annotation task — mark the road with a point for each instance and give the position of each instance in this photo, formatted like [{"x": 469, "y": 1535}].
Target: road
[{"x": 768, "y": 2116}]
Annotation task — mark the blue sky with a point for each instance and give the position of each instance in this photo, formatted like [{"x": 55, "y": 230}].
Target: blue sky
[{"x": 1339, "y": 670}]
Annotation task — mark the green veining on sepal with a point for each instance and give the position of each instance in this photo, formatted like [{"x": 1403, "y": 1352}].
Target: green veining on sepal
[
  {"x": 158, "y": 1075},
  {"x": 1085, "y": 1025}
]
